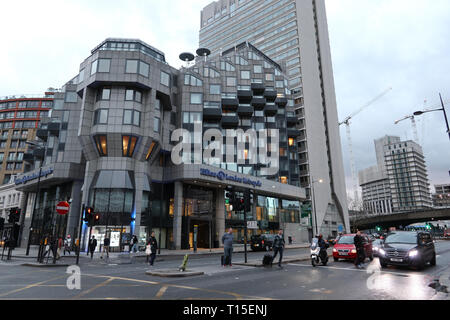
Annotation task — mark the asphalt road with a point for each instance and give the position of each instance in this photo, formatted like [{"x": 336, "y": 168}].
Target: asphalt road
[{"x": 296, "y": 281}]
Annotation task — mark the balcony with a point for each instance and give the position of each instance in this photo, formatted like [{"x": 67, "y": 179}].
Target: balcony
[
  {"x": 293, "y": 132},
  {"x": 212, "y": 114},
  {"x": 270, "y": 110},
  {"x": 230, "y": 103},
  {"x": 245, "y": 111},
  {"x": 229, "y": 121},
  {"x": 245, "y": 95},
  {"x": 258, "y": 88},
  {"x": 42, "y": 134},
  {"x": 270, "y": 95},
  {"x": 291, "y": 120},
  {"x": 282, "y": 102},
  {"x": 259, "y": 103}
]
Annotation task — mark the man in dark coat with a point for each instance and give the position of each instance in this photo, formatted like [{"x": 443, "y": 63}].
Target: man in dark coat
[
  {"x": 92, "y": 246},
  {"x": 153, "y": 247},
  {"x": 359, "y": 244},
  {"x": 278, "y": 246}
]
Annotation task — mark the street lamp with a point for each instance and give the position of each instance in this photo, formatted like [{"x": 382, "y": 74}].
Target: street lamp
[
  {"x": 418, "y": 113},
  {"x": 314, "y": 200}
]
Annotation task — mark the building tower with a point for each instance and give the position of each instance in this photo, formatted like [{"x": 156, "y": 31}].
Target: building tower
[{"x": 293, "y": 33}]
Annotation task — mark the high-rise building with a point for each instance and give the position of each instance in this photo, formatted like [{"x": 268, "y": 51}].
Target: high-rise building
[
  {"x": 399, "y": 180},
  {"x": 293, "y": 33},
  {"x": 441, "y": 197},
  {"x": 19, "y": 120}
]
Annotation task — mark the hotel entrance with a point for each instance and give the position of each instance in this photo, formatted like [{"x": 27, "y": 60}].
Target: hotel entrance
[{"x": 198, "y": 217}]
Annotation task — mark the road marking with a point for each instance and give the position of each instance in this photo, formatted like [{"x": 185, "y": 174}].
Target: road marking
[
  {"x": 161, "y": 292},
  {"x": 349, "y": 269},
  {"x": 31, "y": 286},
  {"x": 104, "y": 283}
]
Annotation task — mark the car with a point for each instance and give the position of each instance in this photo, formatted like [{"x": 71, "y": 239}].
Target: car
[
  {"x": 345, "y": 247},
  {"x": 376, "y": 246},
  {"x": 263, "y": 242},
  {"x": 447, "y": 233},
  {"x": 407, "y": 248}
]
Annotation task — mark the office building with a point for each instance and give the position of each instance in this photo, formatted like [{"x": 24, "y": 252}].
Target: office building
[
  {"x": 441, "y": 196},
  {"x": 293, "y": 33}
]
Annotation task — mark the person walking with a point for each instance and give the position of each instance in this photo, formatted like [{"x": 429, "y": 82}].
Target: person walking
[
  {"x": 153, "y": 247},
  {"x": 67, "y": 244},
  {"x": 134, "y": 243},
  {"x": 92, "y": 246},
  {"x": 106, "y": 243},
  {"x": 360, "y": 255},
  {"x": 227, "y": 240},
  {"x": 278, "y": 246}
]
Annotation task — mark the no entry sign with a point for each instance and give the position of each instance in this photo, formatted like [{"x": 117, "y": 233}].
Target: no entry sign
[{"x": 62, "y": 207}]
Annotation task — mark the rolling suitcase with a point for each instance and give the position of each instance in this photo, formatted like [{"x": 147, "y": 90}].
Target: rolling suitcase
[{"x": 267, "y": 260}]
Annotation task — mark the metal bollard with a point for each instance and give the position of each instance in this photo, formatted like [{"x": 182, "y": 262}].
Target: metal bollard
[{"x": 184, "y": 264}]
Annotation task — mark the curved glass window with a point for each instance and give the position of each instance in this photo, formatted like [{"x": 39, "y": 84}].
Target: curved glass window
[
  {"x": 128, "y": 145},
  {"x": 101, "y": 143}
]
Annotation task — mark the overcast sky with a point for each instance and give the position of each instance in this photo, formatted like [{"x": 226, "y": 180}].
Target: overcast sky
[{"x": 403, "y": 44}]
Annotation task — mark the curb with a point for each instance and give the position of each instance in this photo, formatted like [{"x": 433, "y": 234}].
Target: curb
[
  {"x": 174, "y": 273},
  {"x": 259, "y": 264}
]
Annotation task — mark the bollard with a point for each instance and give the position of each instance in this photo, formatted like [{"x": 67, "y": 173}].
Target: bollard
[{"x": 184, "y": 264}]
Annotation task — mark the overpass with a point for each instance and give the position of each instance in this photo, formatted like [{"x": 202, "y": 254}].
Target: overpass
[{"x": 370, "y": 221}]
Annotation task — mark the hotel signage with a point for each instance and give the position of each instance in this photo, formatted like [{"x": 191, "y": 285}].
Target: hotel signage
[
  {"x": 222, "y": 176},
  {"x": 26, "y": 178}
]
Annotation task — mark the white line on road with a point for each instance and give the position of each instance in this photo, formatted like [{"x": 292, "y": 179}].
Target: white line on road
[{"x": 349, "y": 269}]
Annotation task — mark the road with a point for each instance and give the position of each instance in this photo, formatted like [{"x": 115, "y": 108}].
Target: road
[{"x": 296, "y": 281}]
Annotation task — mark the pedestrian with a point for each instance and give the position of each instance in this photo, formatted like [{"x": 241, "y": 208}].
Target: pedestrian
[
  {"x": 359, "y": 245},
  {"x": 134, "y": 244},
  {"x": 278, "y": 246},
  {"x": 106, "y": 243},
  {"x": 92, "y": 246},
  {"x": 227, "y": 240},
  {"x": 153, "y": 247},
  {"x": 59, "y": 248},
  {"x": 148, "y": 250},
  {"x": 67, "y": 244}
]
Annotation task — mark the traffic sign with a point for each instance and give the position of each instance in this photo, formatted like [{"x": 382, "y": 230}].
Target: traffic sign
[
  {"x": 62, "y": 207},
  {"x": 252, "y": 225}
]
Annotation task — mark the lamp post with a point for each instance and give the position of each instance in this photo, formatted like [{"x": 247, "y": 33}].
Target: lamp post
[
  {"x": 314, "y": 200},
  {"x": 418, "y": 113}
]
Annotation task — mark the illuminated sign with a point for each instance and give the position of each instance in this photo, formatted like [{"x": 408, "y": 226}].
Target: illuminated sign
[{"x": 222, "y": 176}]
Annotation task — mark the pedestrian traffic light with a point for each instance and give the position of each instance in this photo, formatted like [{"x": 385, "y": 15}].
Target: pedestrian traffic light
[{"x": 14, "y": 215}]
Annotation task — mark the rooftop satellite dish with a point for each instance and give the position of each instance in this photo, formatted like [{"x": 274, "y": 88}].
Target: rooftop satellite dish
[{"x": 187, "y": 57}]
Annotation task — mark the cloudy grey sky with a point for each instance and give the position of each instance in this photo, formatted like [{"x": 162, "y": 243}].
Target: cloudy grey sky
[{"x": 403, "y": 44}]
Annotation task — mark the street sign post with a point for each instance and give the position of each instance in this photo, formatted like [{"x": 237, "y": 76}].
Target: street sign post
[
  {"x": 252, "y": 225},
  {"x": 62, "y": 207}
]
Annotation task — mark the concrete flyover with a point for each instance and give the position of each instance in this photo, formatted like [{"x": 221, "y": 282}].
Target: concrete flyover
[{"x": 400, "y": 218}]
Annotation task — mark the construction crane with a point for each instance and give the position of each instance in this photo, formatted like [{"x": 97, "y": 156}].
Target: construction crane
[
  {"x": 349, "y": 138},
  {"x": 413, "y": 124}
]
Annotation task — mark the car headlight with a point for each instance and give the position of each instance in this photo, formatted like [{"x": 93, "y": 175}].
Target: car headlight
[
  {"x": 413, "y": 253},
  {"x": 353, "y": 250},
  {"x": 381, "y": 251},
  {"x": 334, "y": 250},
  {"x": 375, "y": 248}
]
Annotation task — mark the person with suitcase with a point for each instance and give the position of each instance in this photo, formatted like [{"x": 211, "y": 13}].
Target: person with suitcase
[{"x": 227, "y": 241}]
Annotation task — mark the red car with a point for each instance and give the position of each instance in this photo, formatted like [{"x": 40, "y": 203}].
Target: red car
[
  {"x": 446, "y": 233},
  {"x": 345, "y": 248}
]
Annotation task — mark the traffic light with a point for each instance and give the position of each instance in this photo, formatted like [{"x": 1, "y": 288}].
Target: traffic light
[
  {"x": 14, "y": 215},
  {"x": 247, "y": 201},
  {"x": 89, "y": 215},
  {"x": 96, "y": 218},
  {"x": 378, "y": 228}
]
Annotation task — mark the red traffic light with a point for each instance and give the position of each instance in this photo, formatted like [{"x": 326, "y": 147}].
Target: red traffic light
[
  {"x": 97, "y": 217},
  {"x": 89, "y": 210}
]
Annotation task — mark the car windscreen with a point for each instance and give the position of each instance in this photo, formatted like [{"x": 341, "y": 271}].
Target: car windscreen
[
  {"x": 346, "y": 240},
  {"x": 377, "y": 242},
  {"x": 402, "y": 237}
]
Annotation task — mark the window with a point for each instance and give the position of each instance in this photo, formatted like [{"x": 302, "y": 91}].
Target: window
[
  {"x": 18, "y": 166},
  {"x": 279, "y": 84},
  {"x": 132, "y": 117},
  {"x": 71, "y": 96},
  {"x": 156, "y": 125},
  {"x": 81, "y": 76},
  {"x": 144, "y": 69},
  {"x": 131, "y": 66},
  {"x": 128, "y": 145},
  {"x": 269, "y": 77},
  {"x": 103, "y": 94},
  {"x": 245, "y": 75},
  {"x": 11, "y": 156},
  {"x": 190, "y": 80},
  {"x": 133, "y": 95},
  {"x": 231, "y": 81},
  {"x": 257, "y": 69},
  {"x": 214, "y": 89},
  {"x": 226, "y": 66},
  {"x": 13, "y": 144},
  {"x": 101, "y": 116},
  {"x": 196, "y": 98},
  {"x": 94, "y": 67},
  {"x": 101, "y": 143},
  {"x": 103, "y": 65},
  {"x": 2, "y": 157},
  {"x": 165, "y": 78}
]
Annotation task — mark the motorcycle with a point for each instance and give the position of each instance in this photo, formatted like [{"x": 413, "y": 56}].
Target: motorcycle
[{"x": 316, "y": 256}]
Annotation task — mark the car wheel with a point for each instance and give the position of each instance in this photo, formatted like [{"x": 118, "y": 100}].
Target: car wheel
[
  {"x": 420, "y": 265},
  {"x": 383, "y": 264},
  {"x": 433, "y": 260},
  {"x": 335, "y": 259}
]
